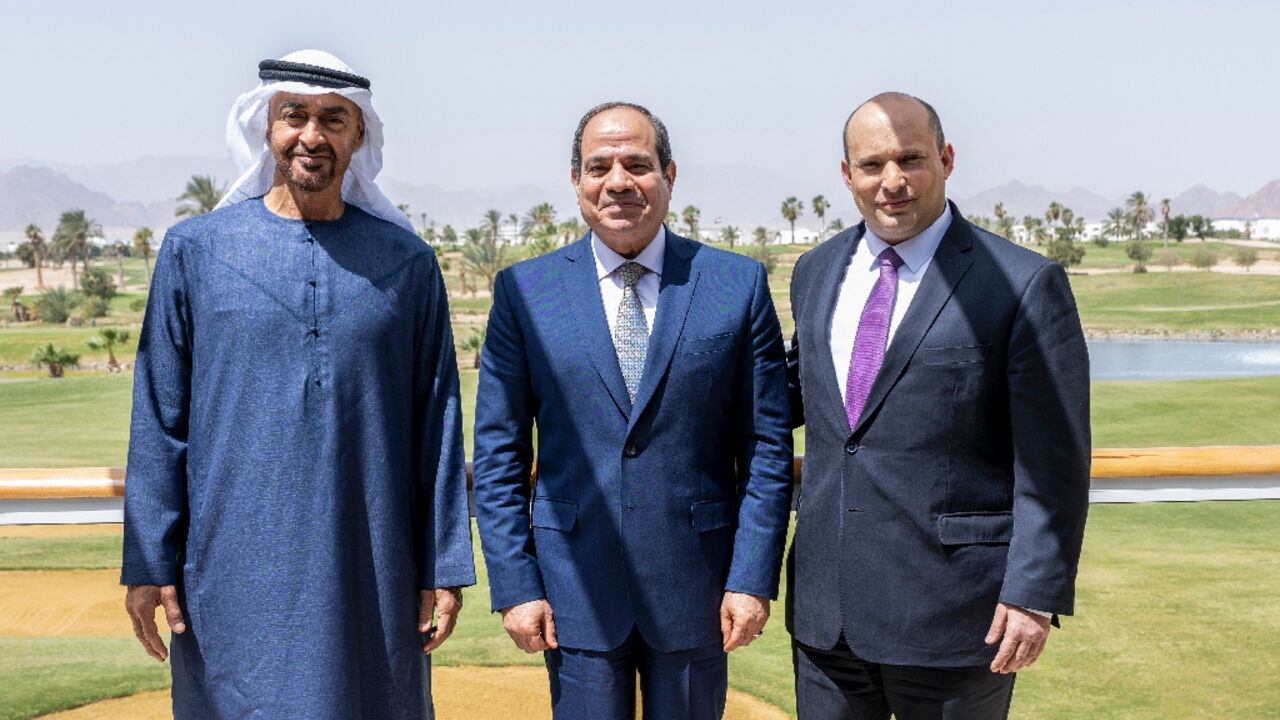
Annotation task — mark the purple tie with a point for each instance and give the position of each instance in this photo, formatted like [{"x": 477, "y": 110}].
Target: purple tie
[{"x": 873, "y": 335}]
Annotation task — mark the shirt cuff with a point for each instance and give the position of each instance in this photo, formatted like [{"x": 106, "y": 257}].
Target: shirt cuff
[{"x": 1041, "y": 613}]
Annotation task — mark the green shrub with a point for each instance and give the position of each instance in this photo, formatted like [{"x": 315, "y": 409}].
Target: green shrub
[{"x": 56, "y": 305}]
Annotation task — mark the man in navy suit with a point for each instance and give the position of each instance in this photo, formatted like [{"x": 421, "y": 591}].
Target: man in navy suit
[
  {"x": 652, "y": 540},
  {"x": 943, "y": 380}
]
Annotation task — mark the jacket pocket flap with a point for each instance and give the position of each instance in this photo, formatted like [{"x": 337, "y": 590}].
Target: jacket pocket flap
[
  {"x": 711, "y": 515},
  {"x": 952, "y": 355},
  {"x": 554, "y": 514},
  {"x": 715, "y": 343},
  {"x": 971, "y": 528}
]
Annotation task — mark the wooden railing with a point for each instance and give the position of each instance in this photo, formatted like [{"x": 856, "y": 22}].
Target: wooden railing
[{"x": 1220, "y": 461}]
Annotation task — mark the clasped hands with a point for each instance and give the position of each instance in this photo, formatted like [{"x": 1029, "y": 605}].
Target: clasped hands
[
  {"x": 437, "y": 615},
  {"x": 533, "y": 628}
]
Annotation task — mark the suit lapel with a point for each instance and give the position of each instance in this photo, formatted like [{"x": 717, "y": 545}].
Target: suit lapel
[
  {"x": 674, "y": 294},
  {"x": 582, "y": 292},
  {"x": 950, "y": 263},
  {"x": 828, "y": 293}
]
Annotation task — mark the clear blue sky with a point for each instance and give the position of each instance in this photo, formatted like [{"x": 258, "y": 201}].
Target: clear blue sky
[{"x": 1106, "y": 95}]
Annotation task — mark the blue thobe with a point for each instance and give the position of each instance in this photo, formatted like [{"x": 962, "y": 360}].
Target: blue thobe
[{"x": 296, "y": 463}]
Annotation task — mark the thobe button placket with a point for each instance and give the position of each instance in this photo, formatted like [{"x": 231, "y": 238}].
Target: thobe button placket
[{"x": 631, "y": 450}]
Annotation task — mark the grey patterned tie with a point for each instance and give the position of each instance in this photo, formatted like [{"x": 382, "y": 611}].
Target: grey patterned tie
[{"x": 630, "y": 331}]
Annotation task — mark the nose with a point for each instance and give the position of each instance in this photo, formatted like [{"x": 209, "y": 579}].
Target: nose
[
  {"x": 893, "y": 179},
  {"x": 618, "y": 179},
  {"x": 312, "y": 134}
]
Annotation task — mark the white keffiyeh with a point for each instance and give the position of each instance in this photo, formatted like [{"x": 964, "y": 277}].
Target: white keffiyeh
[{"x": 247, "y": 141}]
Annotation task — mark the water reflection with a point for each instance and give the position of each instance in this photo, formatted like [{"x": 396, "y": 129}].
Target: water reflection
[{"x": 1180, "y": 360}]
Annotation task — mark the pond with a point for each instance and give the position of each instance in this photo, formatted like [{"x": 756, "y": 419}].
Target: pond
[{"x": 1180, "y": 359}]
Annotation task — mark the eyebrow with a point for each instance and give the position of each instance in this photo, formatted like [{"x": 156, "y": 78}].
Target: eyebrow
[
  {"x": 628, "y": 157},
  {"x": 330, "y": 110}
]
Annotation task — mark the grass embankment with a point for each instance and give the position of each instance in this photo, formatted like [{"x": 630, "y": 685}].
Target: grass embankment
[
  {"x": 1178, "y": 303},
  {"x": 1176, "y": 607}
]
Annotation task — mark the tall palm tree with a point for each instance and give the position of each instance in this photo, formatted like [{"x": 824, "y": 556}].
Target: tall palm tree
[
  {"x": 571, "y": 230},
  {"x": 1164, "y": 222},
  {"x": 107, "y": 339},
  {"x": 1117, "y": 225},
  {"x": 1029, "y": 225},
  {"x": 539, "y": 216},
  {"x": 474, "y": 342},
  {"x": 671, "y": 218},
  {"x": 792, "y": 209},
  {"x": 404, "y": 208},
  {"x": 202, "y": 195},
  {"x": 761, "y": 235},
  {"x": 690, "y": 215},
  {"x": 1068, "y": 217},
  {"x": 1004, "y": 222},
  {"x": 38, "y": 249},
  {"x": 1139, "y": 213},
  {"x": 836, "y": 225},
  {"x": 1053, "y": 213},
  {"x": 483, "y": 254},
  {"x": 515, "y": 225},
  {"x": 820, "y": 205},
  {"x": 118, "y": 251},
  {"x": 492, "y": 225},
  {"x": 142, "y": 247},
  {"x": 730, "y": 235},
  {"x": 72, "y": 235}
]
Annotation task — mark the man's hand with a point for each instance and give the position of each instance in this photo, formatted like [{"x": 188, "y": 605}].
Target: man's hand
[
  {"x": 140, "y": 601},
  {"x": 1024, "y": 633},
  {"x": 742, "y": 619},
  {"x": 531, "y": 626},
  {"x": 445, "y": 604}
]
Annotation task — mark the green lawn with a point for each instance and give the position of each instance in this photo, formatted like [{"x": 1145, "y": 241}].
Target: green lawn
[
  {"x": 1177, "y": 609},
  {"x": 1178, "y": 302},
  {"x": 1236, "y": 411},
  {"x": 1113, "y": 255}
]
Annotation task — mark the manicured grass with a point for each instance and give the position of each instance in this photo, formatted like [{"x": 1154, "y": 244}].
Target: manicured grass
[
  {"x": 1114, "y": 254},
  {"x": 1178, "y": 302},
  {"x": 41, "y": 675},
  {"x": 17, "y": 343},
  {"x": 1236, "y": 411},
  {"x": 69, "y": 422},
  {"x": 1177, "y": 605},
  {"x": 94, "y": 552}
]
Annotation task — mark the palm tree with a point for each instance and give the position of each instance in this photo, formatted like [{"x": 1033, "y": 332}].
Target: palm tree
[
  {"x": 1029, "y": 225},
  {"x": 791, "y": 209},
  {"x": 1117, "y": 225},
  {"x": 72, "y": 236},
  {"x": 836, "y": 225},
  {"x": 448, "y": 235},
  {"x": 1054, "y": 213},
  {"x": 118, "y": 251},
  {"x": 202, "y": 195},
  {"x": 55, "y": 305},
  {"x": 690, "y": 215},
  {"x": 142, "y": 246},
  {"x": 1139, "y": 213},
  {"x": 820, "y": 206},
  {"x": 1068, "y": 217},
  {"x": 761, "y": 235},
  {"x": 36, "y": 238},
  {"x": 1164, "y": 222},
  {"x": 671, "y": 218},
  {"x": 404, "y": 208},
  {"x": 571, "y": 229},
  {"x": 54, "y": 358},
  {"x": 483, "y": 254},
  {"x": 515, "y": 225},
  {"x": 474, "y": 341},
  {"x": 730, "y": 235},
  {"x": 108, "y": 339},
  {"x": 539, "y": 216},
  {"x": 492, "y": 224},
  {"x": 1004, "y": 223}
]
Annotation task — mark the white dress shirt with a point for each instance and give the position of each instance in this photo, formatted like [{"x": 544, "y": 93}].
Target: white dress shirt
[
  {"x": 860, "y": 277},
  {"x": 607, "y": 263}
]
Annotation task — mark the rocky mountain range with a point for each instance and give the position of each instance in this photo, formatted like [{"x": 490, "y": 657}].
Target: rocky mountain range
[{"x": 127, "y": 195}]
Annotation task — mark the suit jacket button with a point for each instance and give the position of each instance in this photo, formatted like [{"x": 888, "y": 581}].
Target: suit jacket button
[
  {"x": 631, "y": 450},
  {"x": 851, "y": 447}
]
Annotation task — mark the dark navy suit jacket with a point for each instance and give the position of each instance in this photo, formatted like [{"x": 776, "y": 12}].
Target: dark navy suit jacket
[
  {"x": 965, "y": 482},
  {"x": 643, "y": 515}
]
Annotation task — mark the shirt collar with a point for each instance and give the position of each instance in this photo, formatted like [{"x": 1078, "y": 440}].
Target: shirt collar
[
  {"x": 608, "y": 261},
  {"x": 914, "y": 251}
]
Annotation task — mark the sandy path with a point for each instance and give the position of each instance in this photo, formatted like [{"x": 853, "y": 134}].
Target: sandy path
[
  {"x": 59, "y": 531},
  {"x": 62, "y": 603},
  {"x": 460, "y": 692}
]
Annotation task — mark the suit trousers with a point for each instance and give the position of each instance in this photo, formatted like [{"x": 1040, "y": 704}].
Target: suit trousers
[
  {"x": 836, "y": 684},
  {"x": 594, "y": 685}
]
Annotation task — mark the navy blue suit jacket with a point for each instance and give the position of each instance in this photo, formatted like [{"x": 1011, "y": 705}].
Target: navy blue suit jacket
[
  {"x": 643, "y": 515},
  {"x": 965, "y": 482}
]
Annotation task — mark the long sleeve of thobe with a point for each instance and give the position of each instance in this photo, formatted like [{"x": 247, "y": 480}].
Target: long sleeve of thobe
[
  {"x": 155, "y": 505},
  {"x": 446, "y": 559}
]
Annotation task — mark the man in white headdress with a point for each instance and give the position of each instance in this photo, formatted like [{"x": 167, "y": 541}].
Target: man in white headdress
[{"x": 296, "y": 498}]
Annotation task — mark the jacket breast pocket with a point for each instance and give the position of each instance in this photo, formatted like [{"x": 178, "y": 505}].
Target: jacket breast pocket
[
  {"x": 973, "y": 528},
  {"x": 711, "y": 344},
  {"x": 952, "y": 356},
  {"x": 554, "y": 514}
]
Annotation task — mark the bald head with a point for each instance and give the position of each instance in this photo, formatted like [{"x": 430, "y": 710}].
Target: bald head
[{"x": 898, "y": 102}]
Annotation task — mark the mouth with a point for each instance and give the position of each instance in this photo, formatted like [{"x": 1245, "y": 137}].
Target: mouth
[
  {"x": 894, "y": 206},
  {"x": 312, "y": 162}
]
